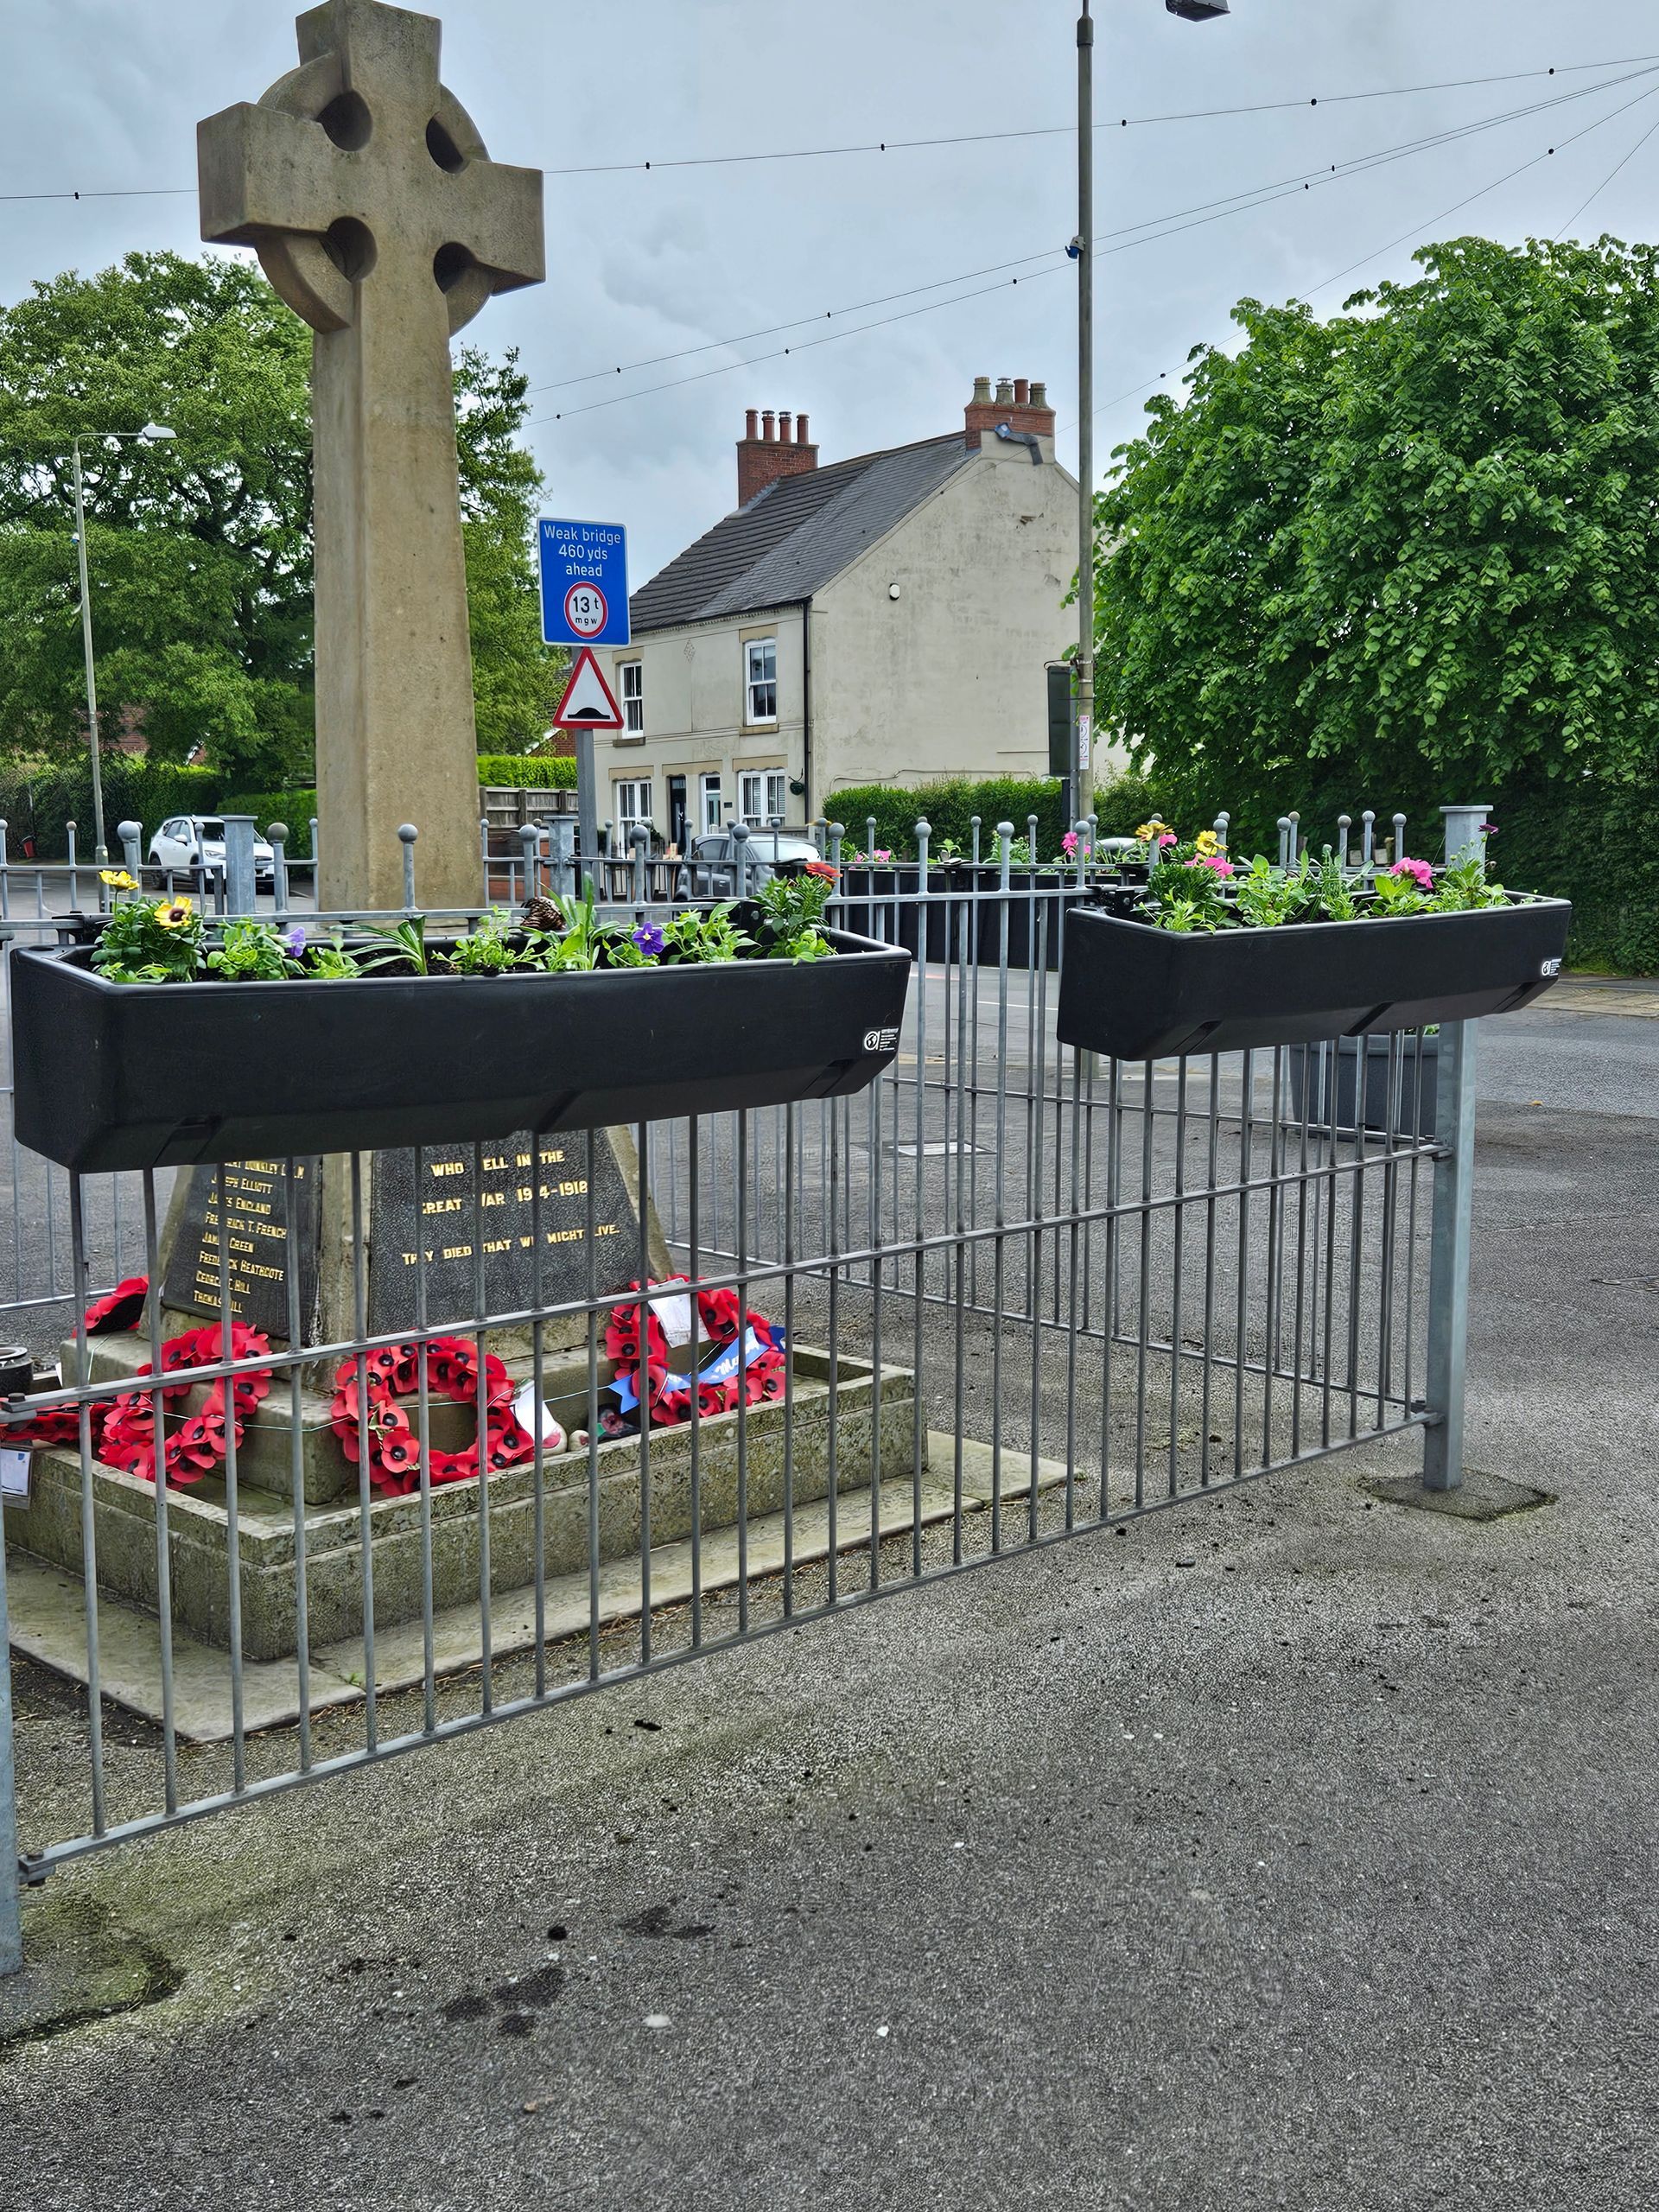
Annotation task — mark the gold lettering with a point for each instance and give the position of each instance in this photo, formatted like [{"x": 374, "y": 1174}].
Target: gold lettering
[
  {"x": 441, "y": 1205},
  {"x": 457, "y": 1251},
  {"x": 445, "y": 1167}
]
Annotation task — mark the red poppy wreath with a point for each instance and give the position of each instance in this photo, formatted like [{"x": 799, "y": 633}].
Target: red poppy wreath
[
  {"x": 393, "y": 1374},
  {"x": 198, "y": 1445},
  {"x": 118, "y": 1309},
  {"x": 762, "y": 1377}
]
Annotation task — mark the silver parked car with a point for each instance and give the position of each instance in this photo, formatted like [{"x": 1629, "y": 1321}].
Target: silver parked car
[
  {"x": 709, "y": 869},
  {"x": 198, "y": 841}
]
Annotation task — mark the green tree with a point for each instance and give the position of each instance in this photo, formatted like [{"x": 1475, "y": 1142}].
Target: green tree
[
  {"x": 200, "y": 549},
  {"x": 1405, "y": 554}
]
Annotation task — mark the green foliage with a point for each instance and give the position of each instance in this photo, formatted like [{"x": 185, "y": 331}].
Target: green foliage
[
  {"x": 251, "y": 952},
  {"x": 330, "y": 963},
  {"x": 533, "y": 771},
  {"x": 791, "y": 908},
  {"x": 487, "y": 949},
  {"x": 405, "y": 945},
  {"x": 1598, "y": 847},
  {"x": 200, "y": 549},
  {"x": 297, "y": 810},
  {"x": 693, "y": 937},
  {"x": 149, "y": 941},
  {"x": 1411, "y": 549},
  {"x": 948, "y": 806}
]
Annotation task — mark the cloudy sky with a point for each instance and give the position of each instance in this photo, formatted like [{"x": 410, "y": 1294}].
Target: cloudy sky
[{"x": 102, "y": 97}]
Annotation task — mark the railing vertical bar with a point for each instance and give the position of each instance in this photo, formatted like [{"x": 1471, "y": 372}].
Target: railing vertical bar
[{"x": 296, "y": 1463}]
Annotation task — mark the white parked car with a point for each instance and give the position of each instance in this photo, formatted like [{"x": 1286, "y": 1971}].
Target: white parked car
[{"x": 198, "y": 841}]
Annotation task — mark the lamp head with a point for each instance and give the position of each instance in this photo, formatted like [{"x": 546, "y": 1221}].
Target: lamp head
[
  {"x": 1197, "y": 12},
  {"x": 155, "y": 433}
]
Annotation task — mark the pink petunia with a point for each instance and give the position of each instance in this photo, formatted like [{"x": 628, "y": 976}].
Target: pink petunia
[
  {"x": 1421, "y": 874},
  {"x": 1168, "y": 838},
  {"x": 1218, "y": 863}
]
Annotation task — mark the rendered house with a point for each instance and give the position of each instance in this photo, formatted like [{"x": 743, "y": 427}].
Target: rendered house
[{"x": 885, "y": 620}]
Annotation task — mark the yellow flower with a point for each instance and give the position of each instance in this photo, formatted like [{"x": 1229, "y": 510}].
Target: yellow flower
[
  {"x": 1148, "y": 830},
  {"x": 1207, "y": 842},
  {"x": 117, "y": 879},
  {"x": 173, "y": 913}
]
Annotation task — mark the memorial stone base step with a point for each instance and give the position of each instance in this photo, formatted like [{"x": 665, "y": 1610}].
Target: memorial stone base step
[
  {"x": 48, "y": 1603},
  {"x": 781, "y": 1445}
]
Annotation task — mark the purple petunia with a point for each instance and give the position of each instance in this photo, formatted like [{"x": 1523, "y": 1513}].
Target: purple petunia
[
  {"x": 649, "y": 938},
  {"x": 293, "y": 941}
]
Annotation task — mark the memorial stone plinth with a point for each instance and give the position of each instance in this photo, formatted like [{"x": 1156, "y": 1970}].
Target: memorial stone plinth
[{"x": 447, "y": 1232}]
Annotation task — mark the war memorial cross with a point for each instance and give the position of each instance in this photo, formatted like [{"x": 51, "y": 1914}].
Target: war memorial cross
[{"x": 377, "y": 213}]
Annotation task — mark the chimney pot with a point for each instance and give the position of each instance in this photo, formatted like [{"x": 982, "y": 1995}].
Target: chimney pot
[
  {"x": 751, "y": 429},
  {"x": 786, "y": 428},
  {"x": 800, "y": 430},
  {"x": 768, "y": 425},
  {"x": 1005, "y": 391},
  {"x": 1039, "y": 395},
  {"x": 1021, "y": 391},
  {"x": 982, "y": 392}
]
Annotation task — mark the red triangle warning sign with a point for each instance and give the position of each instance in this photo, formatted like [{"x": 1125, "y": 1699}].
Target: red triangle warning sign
[{"x": 588, "y": 701}]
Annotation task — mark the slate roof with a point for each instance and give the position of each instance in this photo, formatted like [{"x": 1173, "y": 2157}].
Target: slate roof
[{"x": 791, "y": 538}]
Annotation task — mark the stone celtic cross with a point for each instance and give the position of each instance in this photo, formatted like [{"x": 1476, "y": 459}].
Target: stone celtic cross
[{"x": 377, "y": 213}]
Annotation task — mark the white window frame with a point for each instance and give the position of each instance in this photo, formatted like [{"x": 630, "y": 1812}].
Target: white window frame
[
  {"x": 760, "y": 689},
  {"x": 761, "y": 794},
  {"x": 630, "y": 682},
  {"x": 631, "y": 796},
  {"x": 709, "y": 801}
]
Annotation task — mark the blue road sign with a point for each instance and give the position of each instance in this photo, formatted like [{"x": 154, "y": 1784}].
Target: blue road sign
[{"x": 584, "y": 583}]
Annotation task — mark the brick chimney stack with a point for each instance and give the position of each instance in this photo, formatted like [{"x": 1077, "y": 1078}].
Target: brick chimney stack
[
  {"x": 1022, "y": 405},
  {"x": 780, "y": 449}
]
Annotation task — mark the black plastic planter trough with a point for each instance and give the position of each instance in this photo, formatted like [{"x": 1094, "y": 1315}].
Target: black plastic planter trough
[
  {"x": 149, "y": 1075},
  {"x": 1139, "y": 992}
]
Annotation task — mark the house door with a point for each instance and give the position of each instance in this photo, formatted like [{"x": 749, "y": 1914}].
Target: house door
[{"x": 678, "y": 828}]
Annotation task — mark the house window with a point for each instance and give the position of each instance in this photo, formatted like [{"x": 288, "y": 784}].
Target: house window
[
  {"x": 760, "y": 795},
  {"x": 633, "y": 806},
  {"x": 632, "y": 673},
  {"x": 711, "y": 803},
  {"x": 761, "y": 664}
]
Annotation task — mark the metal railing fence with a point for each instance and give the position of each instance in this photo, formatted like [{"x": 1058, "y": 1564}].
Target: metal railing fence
[{"x": 1026, "y": 1293}]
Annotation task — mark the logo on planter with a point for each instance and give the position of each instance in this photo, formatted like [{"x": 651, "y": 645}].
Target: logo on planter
[
  {"x": 1549, "y": 968},
  {"x": 881, "y": 1040}
]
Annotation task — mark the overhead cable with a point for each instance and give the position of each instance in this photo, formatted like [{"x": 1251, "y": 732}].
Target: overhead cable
[
  {"x": 967, "y": 138},
  {"x": 1254, "y": 197}
]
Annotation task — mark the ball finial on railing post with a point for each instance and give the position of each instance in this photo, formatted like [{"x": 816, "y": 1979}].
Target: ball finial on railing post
[
  {"x": 407, "y": 833},
  {"x": 277, "y": 838}
]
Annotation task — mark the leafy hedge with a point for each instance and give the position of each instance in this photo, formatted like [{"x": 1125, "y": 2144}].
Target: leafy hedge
[
  {"x": 514, "y": 772},
  {"x": 948, "y": 806},
  {"x": 297, "y": 808},
  {"x": 1599, "y": 848},
  {"x": 1594, "y": 842}
]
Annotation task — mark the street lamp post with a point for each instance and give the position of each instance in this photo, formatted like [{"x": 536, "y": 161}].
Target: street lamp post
[
  {"x": 152, "y": 434},
  {"x": 1196, "y": 11}
]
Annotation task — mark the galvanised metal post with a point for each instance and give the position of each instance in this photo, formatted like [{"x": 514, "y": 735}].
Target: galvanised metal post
[
  {"x": 1453, "y": 1236},
  {"x": 407, "y": 834},
  {"x": 11, "y": 1926},
  {"x": 241, "y": 890}
]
